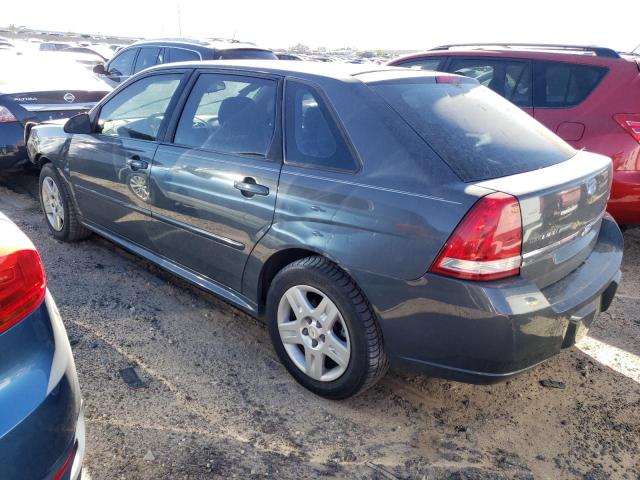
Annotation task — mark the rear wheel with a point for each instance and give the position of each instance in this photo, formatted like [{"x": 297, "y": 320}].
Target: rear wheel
[
  {"x": 59, "y": 211},
  {"x": 324, "y": 330}
]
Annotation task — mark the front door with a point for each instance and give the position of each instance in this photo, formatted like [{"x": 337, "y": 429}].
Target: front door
[
  {"x": 110, "y": 167},
  {"x": 214, "y": 184}
]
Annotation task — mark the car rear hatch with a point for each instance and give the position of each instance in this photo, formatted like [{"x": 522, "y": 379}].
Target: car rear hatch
[
  {"x": 490, "y": 143},
  {"x": 562, "y": 208}
]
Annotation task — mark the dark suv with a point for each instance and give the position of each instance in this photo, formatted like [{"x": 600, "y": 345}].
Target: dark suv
[
  {"x": 589, "y": 96},
  {"x": 147, "y": 53},
  {"x": 369, "y": 214}
]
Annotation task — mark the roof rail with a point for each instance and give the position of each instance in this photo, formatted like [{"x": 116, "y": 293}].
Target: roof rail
[{"x": 598, "y": 51}]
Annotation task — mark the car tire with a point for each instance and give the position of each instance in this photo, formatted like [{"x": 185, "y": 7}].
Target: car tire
[
  {"x": 59, "y": 211},
  {"x": 318, "y": 355}
]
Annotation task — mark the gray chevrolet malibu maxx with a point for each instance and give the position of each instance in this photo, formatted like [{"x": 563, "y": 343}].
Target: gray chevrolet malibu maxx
[{"x": 372, "y": 216}]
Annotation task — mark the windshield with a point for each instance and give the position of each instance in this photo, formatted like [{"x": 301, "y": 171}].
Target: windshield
[
  {"x": 24, "y": 73},
  {"x": 479, "y": 134}
]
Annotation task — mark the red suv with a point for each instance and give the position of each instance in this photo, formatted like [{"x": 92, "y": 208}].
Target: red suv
[{"x": 589, "y": 96}]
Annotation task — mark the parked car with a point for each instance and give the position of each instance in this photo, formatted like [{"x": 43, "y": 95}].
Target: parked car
[
  {"x": 288, "y": 56},
  {"x": 54, "y": 46},
  {"x": 27, "y": 97},
  {"x": 147, "y": 53},
  {"x": 589, "y": 96},
  {"x": 420, "y": 218},
  {"x": 42, "y": 423}
]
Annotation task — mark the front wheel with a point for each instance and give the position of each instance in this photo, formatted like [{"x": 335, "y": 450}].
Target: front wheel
[
  {"x": 59, "y": 211},
  {"x": 324, "y": 330}
]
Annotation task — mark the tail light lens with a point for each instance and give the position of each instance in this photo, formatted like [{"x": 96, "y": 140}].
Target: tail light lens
[
  {"x": 487, "y": 244},
  {"x": 630, "y": 122},
  {"x": 6, "y": 115},
  {"x": 22, "y": 277}
]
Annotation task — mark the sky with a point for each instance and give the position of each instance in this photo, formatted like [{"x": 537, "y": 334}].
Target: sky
[{"x": 394, "y": 25}]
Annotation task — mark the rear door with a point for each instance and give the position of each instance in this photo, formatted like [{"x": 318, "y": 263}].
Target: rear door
[
  {"x": 214, "y": 180},
  {"x": 510, "y": 78},
  {"x": 110, "y": 168},
  {"x": 560, "y": 92}
]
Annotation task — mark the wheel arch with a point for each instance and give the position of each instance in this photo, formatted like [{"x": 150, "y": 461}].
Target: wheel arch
[{"x": 276, "y": 262}]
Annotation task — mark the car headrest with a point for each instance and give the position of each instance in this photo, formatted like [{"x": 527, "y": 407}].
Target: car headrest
[{"x": 232, "y": 106}]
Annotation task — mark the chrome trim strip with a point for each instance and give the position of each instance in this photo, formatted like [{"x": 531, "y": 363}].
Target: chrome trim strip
[
  {"x": 45, "y": 107},
  {"x": 541, "y": 251}
]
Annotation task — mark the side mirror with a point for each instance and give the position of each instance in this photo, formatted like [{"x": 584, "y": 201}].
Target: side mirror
[
  {"x": 80, "y": 123},
  {"x": 99, "y": 69}
]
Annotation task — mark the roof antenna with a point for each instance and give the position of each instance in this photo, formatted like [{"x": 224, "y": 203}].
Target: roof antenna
[
  {"x": 179, "y": 20},
  {"x": 233, "y": 39},
  {"x": 632, "y": 51}
]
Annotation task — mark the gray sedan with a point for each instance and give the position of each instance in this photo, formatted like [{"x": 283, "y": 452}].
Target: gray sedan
[{"x": 370, "y": 215}]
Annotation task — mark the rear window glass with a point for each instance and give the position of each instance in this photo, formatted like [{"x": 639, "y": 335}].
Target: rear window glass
[
  {"x": 565, "y": 84},
  {"x": 241, "y": 54},
  {"x": 479, "y": 134},
  {"x": 425, "y": 63}
]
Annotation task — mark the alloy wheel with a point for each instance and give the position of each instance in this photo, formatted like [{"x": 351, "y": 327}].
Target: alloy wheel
[
  {"x": 52, "y": 203},
  {"x": 314, "y": 334}
]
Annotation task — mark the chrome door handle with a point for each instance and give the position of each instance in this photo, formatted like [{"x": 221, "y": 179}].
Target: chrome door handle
[
  {"x": 249, "y": 187},
  {"x": 136, "y": 164}
]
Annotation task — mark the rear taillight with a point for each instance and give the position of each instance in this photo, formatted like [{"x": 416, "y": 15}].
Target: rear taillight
[
  {"x": 22, "y": 280},
  {"x": 630, "y": 122},
  {"x": 6, "y": 115},
  {"x": 487, "y": 243}
]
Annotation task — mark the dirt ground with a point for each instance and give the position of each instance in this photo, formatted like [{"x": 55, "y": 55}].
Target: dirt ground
[{"x": 217, "y": 403}]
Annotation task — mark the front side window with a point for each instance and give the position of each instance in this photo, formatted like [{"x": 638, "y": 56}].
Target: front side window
[
  {"x": 148, "y": 57},
  {"x": 138, "y": 110},
  {"x": 565, "y": 84},
  {"x": 509, "y": 78},
  {"x": 122, "y": 65},
  {"x": 312, "y": 137},
  {"x": 426, "y": 63},
  {"x": 229, "y": 114}
]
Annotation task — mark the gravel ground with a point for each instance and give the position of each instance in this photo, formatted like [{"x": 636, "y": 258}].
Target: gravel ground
[{"x": 218, "y": 404}]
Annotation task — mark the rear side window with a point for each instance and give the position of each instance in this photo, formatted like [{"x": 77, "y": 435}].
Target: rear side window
[
  {"x": 312, "y": 137},
  {"x": 246, "y": 53},
  {"x": 565, "y": 84},
  {"x": 425, "y": 63},
  {"x": 122, "y": 65},
  {"x": 182, "y": 55},
  {"x": 509, "y": 78},
  {"x": 148, "y": 57},
  {"x": 477, "y": 133}
]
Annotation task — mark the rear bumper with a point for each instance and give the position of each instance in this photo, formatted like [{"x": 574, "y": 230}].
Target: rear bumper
[
  {"x": 624, "y": 203},
  {"x": 41, "y": 426},
  {"x": 13, "y": 153},
  {"x": 483, "y": 332}
]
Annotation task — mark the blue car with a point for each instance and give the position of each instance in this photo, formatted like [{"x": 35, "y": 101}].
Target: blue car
[{"x": 41, "y": 416}]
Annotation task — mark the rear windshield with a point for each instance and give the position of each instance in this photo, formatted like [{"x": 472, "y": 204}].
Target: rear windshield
[
  {"x": 479, "y": 134},
  {"x": 241, "y": 54}
]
